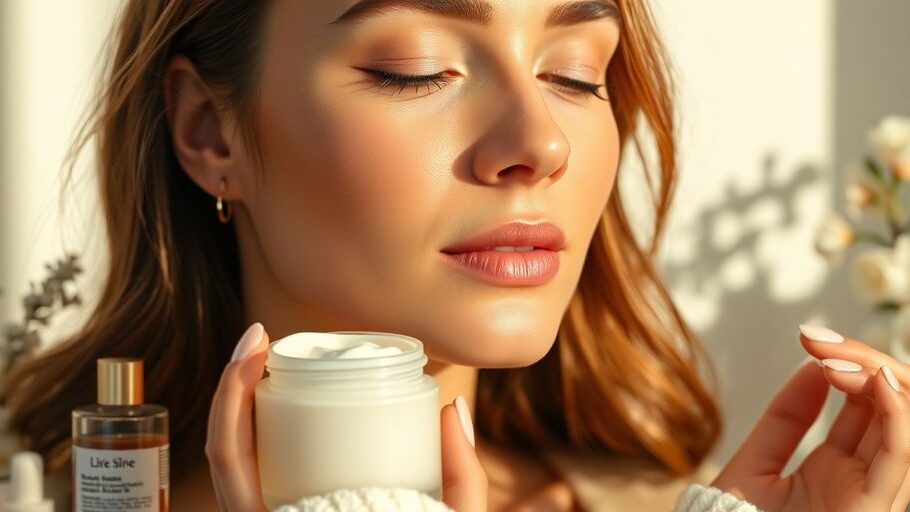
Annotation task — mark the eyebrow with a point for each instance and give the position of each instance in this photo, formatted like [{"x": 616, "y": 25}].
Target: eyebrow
[{"x": 481, "y": 12}]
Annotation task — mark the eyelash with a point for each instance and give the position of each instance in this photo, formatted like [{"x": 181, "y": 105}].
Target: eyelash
[{"x": 387, "y": 78}]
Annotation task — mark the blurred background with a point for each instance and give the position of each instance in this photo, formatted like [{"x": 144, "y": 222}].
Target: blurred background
[{"x": 776, "y": 100}]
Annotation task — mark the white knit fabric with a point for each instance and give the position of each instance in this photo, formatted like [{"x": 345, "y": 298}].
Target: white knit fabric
[
  {"x": 695, "y": 498},
  {"x": 368, "y": 499},
  {"x": 700, "y": 498}
]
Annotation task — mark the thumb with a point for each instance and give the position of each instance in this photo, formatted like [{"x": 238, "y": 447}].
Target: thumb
[
  {"x": 464, "y": 482},
  {"x": 778, "y": 432},
  {"x": 230, "y": 444}
]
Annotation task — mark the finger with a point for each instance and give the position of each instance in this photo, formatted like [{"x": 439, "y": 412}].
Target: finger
[
  {"x": 871, "y": 441},
  {"x": 851, "y": 424},
  {"x": 230, "y": 447},
  {"x": 860, "y": 387},
  {"x": 785, "y": 421},
  {"x": 848, "y": 376},
  {"x": 860, "y": 396},
  {"x": 889, "y": 465},
  {"x": 902, "y": 500},
  {"x": 849, "y": 349},
  {"x": 856, "y": 430},
  {"x": 464, "y": 482}
]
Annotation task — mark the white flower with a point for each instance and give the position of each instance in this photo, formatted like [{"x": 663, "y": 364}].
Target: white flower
[
  {"x": 902, "y": 250},
  {"x": 862, "y": 192},
  {"x": 834, "y": 235},
  {"x": 859, "y": 194},
  {"x": 891, "y": 139},
  {"x": 883, "y": 273}
]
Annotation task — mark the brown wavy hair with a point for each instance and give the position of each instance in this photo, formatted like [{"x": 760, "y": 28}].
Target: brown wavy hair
[{"x": 623, "y": 377}]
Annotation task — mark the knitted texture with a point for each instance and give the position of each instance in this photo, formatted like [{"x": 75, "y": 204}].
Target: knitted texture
[
  {"x": 700, "y": 498},
  {"x": 368, "y": 499}
]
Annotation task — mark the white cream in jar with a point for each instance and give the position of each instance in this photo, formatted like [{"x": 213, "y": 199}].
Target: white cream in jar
[{"x": 346, "y": 410}]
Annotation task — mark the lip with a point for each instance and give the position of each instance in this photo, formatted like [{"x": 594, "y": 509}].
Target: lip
[
  {"x": 518, "y": 234},
  {"x": 506, "y": 268}
]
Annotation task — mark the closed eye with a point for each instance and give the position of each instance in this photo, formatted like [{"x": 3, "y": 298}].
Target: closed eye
[{"x": 440, "y": 80}]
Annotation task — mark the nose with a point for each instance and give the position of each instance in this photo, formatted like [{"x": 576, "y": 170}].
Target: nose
[{"x": 524, "y": 144}]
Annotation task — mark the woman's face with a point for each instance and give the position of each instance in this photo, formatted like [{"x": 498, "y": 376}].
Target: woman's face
[{"x": 365, "y": 186}]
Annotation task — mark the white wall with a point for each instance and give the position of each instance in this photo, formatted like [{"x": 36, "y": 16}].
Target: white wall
[
  {"x": 48, "y": 55},
  {"x": 776, "y": 99}
]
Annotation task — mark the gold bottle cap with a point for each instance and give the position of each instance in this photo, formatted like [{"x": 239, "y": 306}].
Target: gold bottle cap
[{"x": 119, "y": 381}]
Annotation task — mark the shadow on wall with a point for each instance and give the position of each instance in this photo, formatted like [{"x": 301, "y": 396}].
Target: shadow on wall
[
  {"x": 754, "y": 337},
  {"x": 750, "y": 313}
]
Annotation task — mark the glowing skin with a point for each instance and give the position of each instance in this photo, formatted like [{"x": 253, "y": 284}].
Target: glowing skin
[{"x": 364, "y": 186}]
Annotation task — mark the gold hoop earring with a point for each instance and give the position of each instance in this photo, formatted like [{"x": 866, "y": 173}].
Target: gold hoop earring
[{"x": 224, "y": 207}]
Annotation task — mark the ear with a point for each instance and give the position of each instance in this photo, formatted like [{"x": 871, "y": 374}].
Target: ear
[{"x": 198, "y": 129}]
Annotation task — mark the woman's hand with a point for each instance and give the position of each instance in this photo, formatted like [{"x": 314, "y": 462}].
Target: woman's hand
[
  {"x": 231, "y": 447},
  {"x": 862, "y": 464}
]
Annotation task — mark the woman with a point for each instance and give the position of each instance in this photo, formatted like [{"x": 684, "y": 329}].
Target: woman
[{"x": 328, "y": 166}]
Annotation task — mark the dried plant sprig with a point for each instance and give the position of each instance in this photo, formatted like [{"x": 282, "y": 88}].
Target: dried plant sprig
[{"x": 39, "y": 305}]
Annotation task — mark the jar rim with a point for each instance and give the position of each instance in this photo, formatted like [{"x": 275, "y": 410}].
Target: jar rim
[{"x": 281, "y": 352}]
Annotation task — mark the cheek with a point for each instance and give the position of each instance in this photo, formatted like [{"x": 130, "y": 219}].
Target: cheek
[
  {"x": 346, "y": 199},
  {"x": 585, "y": 190},
  {"x": 346, "y": 168},
  {"x": 357, "y": 199}
]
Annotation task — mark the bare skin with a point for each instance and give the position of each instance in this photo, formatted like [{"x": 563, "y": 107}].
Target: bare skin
[
  {"x": 363, "y": 188},
  {"x": 360, "y": 177}
]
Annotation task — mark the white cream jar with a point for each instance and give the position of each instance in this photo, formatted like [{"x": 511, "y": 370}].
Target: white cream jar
[{"x": 346, "y": 410}]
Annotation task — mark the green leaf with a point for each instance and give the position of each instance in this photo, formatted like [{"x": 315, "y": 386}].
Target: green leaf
[
  {"x": 888, "y": 306},
  {"x": 874, "y": 169},
  {"x": 871, "y": 237}
]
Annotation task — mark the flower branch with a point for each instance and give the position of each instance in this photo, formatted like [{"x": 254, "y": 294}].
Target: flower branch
[{"x": 881, "y": 270}]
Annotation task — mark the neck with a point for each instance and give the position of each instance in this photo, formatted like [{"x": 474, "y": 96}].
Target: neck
[{"x": 454, "y": 380}]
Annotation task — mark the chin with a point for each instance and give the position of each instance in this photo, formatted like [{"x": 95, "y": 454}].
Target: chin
[
  {"x": 503, "y": 332},
  {"x": 483, "y": 347}
]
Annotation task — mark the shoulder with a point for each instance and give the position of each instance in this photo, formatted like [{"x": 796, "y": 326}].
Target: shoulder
[{"x": 609, "y": 482}]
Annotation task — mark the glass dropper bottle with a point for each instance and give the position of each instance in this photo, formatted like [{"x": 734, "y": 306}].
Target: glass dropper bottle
[{"x": 120, "y": 444}]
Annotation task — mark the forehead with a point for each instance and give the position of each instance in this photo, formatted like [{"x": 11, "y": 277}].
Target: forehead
[
  {"x": 304, "y": 32},
  {"x": 484, "y": 12},
  {"x": 338, "y": 15}
]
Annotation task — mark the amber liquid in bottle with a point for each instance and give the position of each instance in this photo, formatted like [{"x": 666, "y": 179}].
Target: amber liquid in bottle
[{"x": 120, "y": 446}]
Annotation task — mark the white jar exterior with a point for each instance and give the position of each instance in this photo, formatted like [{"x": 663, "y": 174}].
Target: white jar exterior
[{"x": 323, "y": 425}]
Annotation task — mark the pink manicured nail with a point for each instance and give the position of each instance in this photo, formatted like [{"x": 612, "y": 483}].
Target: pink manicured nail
[
  {"x": 248, "y": 342},
  {"x": 464, "y": 417},
  {"x": 842, "y": 365},
  {"x": 892, "y": 380},
  {"x": 820, "y": 333}
]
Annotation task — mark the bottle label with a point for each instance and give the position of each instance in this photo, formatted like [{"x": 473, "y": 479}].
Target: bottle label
[{"x": 121, "y": 480}]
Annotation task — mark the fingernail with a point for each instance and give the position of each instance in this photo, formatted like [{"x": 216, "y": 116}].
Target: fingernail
[
  {"x": 247, "y": 342},
  {"x": 892, "y": 380},
  {"x": 820, "y": 333},
  {"x": 464, "y": 417},
  {"x": 842, "y": 365}
]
